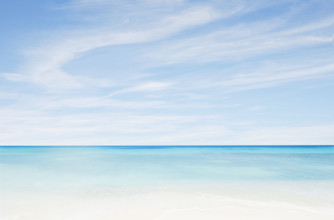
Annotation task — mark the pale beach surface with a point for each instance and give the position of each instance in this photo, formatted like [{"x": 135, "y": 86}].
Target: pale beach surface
[{"x": 259, "y": 201}]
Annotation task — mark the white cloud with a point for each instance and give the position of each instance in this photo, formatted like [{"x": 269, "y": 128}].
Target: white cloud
[
  {"x": 256, "y": 108},
  {"x": 275, "y": 76},
  {"x": 299, "y": 135},
  {"x": 100, "y": 102},
  {"x": 44, "y": 64},
  {"x": 242, "y": 41},
  {"x": 144, "y": 87},
  {"x": 21, "y": 127},
  {"x": 263, "y": 74},
  {"x": 14, "y": 76},
  {"x": 39, "y": 127}
]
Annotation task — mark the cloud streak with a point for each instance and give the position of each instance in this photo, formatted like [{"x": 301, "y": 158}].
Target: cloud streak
[
  {"x": 45, "y": 63},
  {"x": 242, "y": 42}
]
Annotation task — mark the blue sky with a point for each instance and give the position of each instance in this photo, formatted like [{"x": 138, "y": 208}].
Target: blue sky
[{"x": 98, "y": 72}]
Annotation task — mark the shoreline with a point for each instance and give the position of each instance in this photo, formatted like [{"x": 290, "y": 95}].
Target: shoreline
[{"x": 231, "y": 201}]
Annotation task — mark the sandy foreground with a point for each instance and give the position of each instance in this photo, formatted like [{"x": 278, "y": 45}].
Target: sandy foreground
[{"x": 229, "y": 201}]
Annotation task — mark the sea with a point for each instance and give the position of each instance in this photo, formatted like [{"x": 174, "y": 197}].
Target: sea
[{"x": 47, "y": 168}]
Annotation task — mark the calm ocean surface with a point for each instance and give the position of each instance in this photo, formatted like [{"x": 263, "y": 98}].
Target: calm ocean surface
[{"x": 46, "y": 168}]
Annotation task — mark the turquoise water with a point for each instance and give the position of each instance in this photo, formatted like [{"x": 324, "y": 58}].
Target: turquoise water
[{"x": 116, "y": 166}]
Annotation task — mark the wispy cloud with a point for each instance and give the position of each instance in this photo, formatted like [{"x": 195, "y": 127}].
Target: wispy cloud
[
  {"x": 44, "y": 64},
  {"x": 127, "y": 128},
  {"x": 257, "y": 108},
  {"x": 307, "y": 135},
  {"x": 100, "y": 102},
  {"x": 145, "y": 87},
  {"x": 276, "y": 75},
  {"x": 35, "y": 127},
  {"x": 243, "y": 41}
]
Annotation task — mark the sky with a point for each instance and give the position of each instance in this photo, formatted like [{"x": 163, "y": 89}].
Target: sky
[{"x": 166, "y": 72}]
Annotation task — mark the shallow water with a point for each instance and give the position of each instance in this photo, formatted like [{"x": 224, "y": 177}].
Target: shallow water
[{"x": 54, "y": 168}]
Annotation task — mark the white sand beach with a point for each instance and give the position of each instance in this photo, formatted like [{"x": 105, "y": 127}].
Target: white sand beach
[{"x": 230, "y": 202}]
